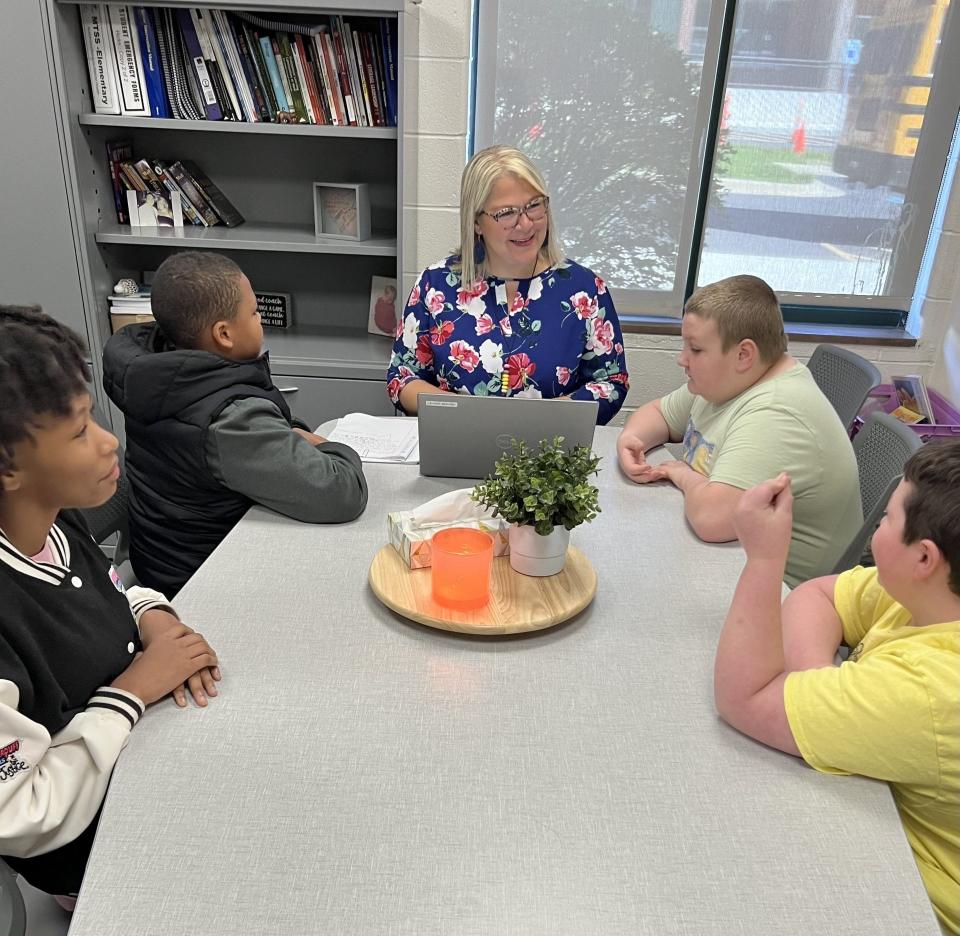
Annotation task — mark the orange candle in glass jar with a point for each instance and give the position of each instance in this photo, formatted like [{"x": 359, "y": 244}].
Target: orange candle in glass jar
[{"x": 461, "y": 563}]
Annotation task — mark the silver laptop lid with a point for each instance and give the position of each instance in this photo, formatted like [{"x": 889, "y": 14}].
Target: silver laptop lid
[{"x": 463, "y": 436}]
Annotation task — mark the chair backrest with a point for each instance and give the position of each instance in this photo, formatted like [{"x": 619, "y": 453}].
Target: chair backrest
[
  {"x": 882, "y": 448},
  {"x": 13, "y": 914},
  {"x": 110, "y": 518},
  {"x": 845, "y": 379}
]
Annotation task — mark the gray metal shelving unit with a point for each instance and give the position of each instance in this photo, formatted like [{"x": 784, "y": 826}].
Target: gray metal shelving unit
[{"x": 326, "y": 360}]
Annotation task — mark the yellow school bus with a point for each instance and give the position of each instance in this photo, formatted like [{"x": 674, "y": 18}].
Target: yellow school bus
[{"x": 888, "y": 94}]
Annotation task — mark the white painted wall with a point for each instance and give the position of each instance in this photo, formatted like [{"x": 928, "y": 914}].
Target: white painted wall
[{"x": 436, "y": 147}]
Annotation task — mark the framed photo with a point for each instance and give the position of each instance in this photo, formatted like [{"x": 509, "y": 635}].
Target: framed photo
[
  {"x": 147, "y": 209},
  {"x": 341, "y": 210},
  {"x": 382, "y": 319},
  {"x": 911, "y": 395}
]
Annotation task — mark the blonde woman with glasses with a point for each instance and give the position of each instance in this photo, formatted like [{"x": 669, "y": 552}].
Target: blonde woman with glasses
[{"x": 508, "y": 314}]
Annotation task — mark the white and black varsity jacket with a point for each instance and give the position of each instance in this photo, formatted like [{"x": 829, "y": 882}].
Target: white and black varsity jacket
[{"x": 67, "y": 630}]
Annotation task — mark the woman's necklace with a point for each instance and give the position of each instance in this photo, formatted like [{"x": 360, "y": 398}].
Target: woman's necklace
[{"x": 504, "y": 376}]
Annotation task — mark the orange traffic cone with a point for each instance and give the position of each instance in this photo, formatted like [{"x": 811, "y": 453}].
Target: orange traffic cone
[{"x": 799, "y": 136}]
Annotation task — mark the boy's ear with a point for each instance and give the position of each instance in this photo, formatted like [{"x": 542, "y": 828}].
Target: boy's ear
[
  {"x": 929, "y": 559},
  {"x": 221, "y": 334},
  {"x": 747, "y": 355},
  {"x": 10, "y": 481}
]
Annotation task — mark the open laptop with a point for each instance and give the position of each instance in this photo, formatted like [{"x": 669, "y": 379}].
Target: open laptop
[{"x": 463, "y": 436}]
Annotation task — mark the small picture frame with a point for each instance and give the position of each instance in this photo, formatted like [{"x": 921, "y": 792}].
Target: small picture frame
[
  {"x": 341, "y": 210},
  {"x": 147, "y": 209},
  {"x": 911, "y": 395},
  {"x": 382, "y": 318}
]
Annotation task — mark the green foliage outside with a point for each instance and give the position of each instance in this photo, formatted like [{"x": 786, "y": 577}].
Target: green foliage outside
[
  {"x": 609, "y": 122},
  {"x": 543, "y": 489}
]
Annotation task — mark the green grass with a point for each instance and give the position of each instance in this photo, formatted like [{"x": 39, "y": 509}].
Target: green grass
[{"x": 762, "y": 164}]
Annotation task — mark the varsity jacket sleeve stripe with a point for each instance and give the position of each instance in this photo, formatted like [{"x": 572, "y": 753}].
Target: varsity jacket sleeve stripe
[
  {"x": 52, "y": 787},
  {"x": 145, "y": 599}
]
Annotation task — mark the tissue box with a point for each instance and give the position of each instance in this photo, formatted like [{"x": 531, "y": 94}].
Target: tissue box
[{"x": 414, "y": 545}]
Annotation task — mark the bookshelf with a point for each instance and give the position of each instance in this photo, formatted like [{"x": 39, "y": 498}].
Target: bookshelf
[{"x": 326, "y": 360}]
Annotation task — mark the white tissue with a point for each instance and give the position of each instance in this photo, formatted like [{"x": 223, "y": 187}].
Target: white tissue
[{"x": 449, "y": 508}]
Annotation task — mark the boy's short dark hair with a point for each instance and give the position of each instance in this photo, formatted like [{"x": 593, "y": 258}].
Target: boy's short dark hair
[
  {"x": 743, "y": 307},
  {"x": 932, "y": 509},
  {"x": 43, "y": 366},
  {"x": 191, "y": 291}
]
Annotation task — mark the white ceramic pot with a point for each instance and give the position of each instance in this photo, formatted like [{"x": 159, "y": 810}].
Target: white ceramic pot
[{"x": 533, "y": 554}]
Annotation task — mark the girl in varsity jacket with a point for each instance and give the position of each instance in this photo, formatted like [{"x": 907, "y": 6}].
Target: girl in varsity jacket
[{"x": 80, "y": 658}]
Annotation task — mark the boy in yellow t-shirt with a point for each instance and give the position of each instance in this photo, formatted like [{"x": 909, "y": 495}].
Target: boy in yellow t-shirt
[{"x": 892, "y": 710}]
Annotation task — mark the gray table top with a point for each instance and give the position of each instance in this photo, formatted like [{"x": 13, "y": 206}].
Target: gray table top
[{"x": 363, "y": 774}]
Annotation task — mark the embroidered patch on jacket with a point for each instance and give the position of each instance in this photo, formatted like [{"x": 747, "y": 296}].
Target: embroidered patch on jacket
[
  {"x": 10, "y": 764},
  {"x": 115, "y": 578}
]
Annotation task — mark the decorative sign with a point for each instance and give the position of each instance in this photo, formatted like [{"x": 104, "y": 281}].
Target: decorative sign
[{"x": 275, "y": 309}]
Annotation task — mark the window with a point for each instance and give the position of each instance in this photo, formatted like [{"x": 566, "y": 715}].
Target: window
[{"x": 828, "y": 127}]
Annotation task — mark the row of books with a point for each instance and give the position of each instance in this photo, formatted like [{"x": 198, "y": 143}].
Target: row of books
[
  {"x": 202, "y": 201},
  {"x": 203, "y": 64}
]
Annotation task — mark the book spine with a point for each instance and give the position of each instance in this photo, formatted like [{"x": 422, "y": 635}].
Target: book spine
[
  {"x": 379, "y": 67},
  {"x": 330, "y": 87},
  {"x": 118, "y": 152},
  {"x": 208, "y": 23},
  {"x": 353, "y": 72},
  {"x": 149, "y": 176},
  {"x": 189, "y": 211},
  {"x": 150, "y": 59},
  {"x": 344, "y": 80},
  {"x": 167, "y": 66},
  {"x": 218, "y": 77},
  {"x": 270, "y": 59},
  {"x": 131, "y": 178},
  {"x": 366, "y": 47},
  {"x": 365, "y": 90},
  {"x": 100, "y": 63},
  {"x": 304, "y": 57},
  {"x": 193, "y": 194},
  {"x": 131, "y": 83},
  {"x": 211, "y": 107},
  {"x": 249, "y": 69},
  {"x": 263, "y": 76},
  {"x": 225, "y": 42},
  {"x": 389, "y": 34},
  {"x": 222, "y": 205},
  {"x": 293, "y": 79}
]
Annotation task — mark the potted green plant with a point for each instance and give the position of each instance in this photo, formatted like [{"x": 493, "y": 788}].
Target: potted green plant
[{"x": 544, "y": 494}]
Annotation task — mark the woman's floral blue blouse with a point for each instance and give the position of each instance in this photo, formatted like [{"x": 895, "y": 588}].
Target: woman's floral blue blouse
[{"x": 558, "y": 337}]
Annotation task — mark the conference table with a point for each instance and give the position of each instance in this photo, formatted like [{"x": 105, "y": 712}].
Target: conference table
[{"x": 360, "y": 773}]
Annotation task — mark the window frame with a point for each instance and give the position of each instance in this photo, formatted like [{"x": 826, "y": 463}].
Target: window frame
[{"x": 941, "y": 117}]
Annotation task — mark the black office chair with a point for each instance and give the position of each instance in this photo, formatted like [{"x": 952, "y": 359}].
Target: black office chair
[
  {"x": 13, "y": 914},
  {"x": 882, "y": 448},
  {"x": 845, "y": 379}
]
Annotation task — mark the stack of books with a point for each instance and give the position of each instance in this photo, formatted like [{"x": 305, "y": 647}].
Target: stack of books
[
  {"x": 129, "y": 310},
  {"x": 202, "y": 202},
  {"x": 203, "y": 64}
]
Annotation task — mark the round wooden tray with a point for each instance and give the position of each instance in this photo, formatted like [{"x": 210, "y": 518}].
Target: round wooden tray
[{"x": 518, "y": 603}]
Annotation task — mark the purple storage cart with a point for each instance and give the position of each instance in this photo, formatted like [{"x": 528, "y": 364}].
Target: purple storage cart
[{"x": 883, "y": 397}]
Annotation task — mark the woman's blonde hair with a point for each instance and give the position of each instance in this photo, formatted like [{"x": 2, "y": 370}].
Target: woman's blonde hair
[{"x": 478, "y": 179}]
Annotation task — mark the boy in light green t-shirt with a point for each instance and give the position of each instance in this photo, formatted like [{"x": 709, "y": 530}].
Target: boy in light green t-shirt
[
  {"x": 748, "y": 412},
  {"x": 892, "y": 710}
]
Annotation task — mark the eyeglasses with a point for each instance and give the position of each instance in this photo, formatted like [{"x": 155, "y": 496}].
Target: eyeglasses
[{"x": 509, "y": 218}]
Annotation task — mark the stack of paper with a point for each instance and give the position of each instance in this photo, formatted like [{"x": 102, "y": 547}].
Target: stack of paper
[{"x": 389, "y": 439}]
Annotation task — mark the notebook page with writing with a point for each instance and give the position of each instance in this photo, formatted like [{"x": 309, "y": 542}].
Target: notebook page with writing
[{"x": 387, "y": 439}]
